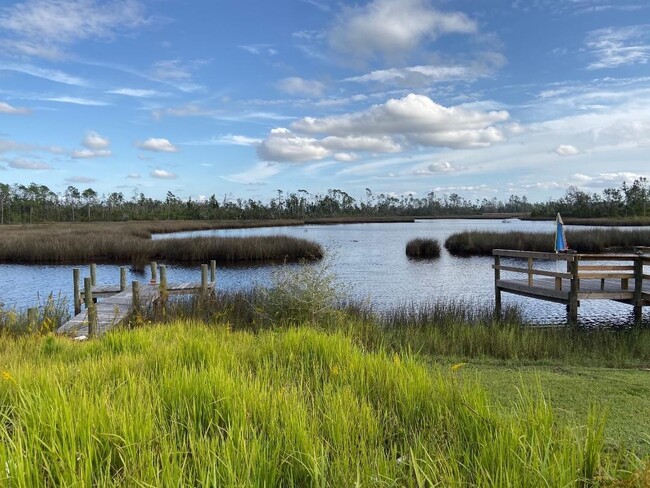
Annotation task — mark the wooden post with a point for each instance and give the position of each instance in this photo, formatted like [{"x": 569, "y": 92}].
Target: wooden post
[
  {"x": 90, "y": 307},
  {"x": 204, "y": 278},
  {"x": 573, "y": 293},
  {"x": 93, "y": 274},
  {"x": 154, "y": 268},
  {"x": 163, "y": 284},
  {"x": 213, "y": 271},
  {"x": 530, "y": 271},
  {"x": 76, "y": 272},
  {"x": 135, "y": 293},
  {"x": 497, "y": 290},
  {"x": 638, "y": 290},
  {"x": 32, "y": 318},
  {"x": 122, "y": 278}
]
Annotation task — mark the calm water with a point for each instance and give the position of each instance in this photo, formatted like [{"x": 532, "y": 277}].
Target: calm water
[{"x": 368, "y": 260}]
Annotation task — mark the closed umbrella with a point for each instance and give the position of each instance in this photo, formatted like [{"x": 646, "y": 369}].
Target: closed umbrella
[{"x": 560, "y": 239}]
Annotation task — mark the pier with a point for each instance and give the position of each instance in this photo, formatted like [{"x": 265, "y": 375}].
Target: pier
[
  {"x": 618, "y": 277},
  {"x": 106, "y": 306}
]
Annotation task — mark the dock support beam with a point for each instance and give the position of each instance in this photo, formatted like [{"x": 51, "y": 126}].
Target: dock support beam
[
  {"x": 638, "y": 290},
  {"x": 163, "y": 285},
  {"x": 122, "y": 278},
  {"x": 154, "y": 273},
  {"x": 76, "y": 293},
  {"x": 204, "y": 279},
  {"x": 572, "y": 307},
  {"x": 497, "y": 290},
  {"x": 135, "y": 294},
  {"x": 90, "y": 307},
  {"x": 213, "y": 271},
  {"x": 93, "y": 274}
]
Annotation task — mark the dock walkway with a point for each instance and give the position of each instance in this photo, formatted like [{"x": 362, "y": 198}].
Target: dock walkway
[
  {"x": 108, "y": 305},
  {"x": 618, "y": 277}
]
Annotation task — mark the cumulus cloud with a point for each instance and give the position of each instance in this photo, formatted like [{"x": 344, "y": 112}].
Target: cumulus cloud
[
  {"x": 5, "y": 108},
  {"x": 619, "y": 46},
  {"x": 20, "y": 163},
  {"x": 299, "y": 86},
  {"x": 44, "y": 27},
  {"x": 414, "y": 120},
  {"x": 566, "y": 150},
  {"x": 90, "y": 153},
  {"x": 391, "y": 27},
  {"x": 436, "y": 168},
  {"x": 95, "y": 142},
  {"x": 157, "y": 145},
  {"x": 163, "y": 174}
]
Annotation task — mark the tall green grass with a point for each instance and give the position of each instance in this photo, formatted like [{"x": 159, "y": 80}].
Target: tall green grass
[
  {"x": 594, "y": 240},
  {"x": 50, "y": 315},
  {"x": 423, "y": 248},
  {"x": 190, "y": 405}
]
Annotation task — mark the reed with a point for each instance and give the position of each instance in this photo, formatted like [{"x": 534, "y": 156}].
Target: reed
[
  {"x": 131, "y": 243},
  {"x": 482, "y": 243},
  {"x": 423, "y": 248},
  {"x": 49, "y": 316},
  {"x": 190, "y": 405}
]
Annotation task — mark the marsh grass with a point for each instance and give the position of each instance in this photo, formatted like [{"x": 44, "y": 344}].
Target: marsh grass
[
  {"x": 51, "y": 314},
  {"x": 190, "y": 405},
  {"x": 131, "y": 243},
  {"x": 469, "y": 243},
  {"x": 423, "y": 248}
]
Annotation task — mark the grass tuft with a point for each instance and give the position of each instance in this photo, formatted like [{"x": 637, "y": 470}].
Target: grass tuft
[{"x": 423, "y": 248}]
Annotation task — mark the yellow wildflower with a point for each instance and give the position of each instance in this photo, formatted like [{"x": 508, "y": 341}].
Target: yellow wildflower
[
  {"x": 396, "y": 359},
  {"x": 457, "y": 366},
  {"x": 6, "y": 375}
]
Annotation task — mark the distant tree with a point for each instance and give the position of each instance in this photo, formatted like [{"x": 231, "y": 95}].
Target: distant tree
[{"x": 89, "y": 195}]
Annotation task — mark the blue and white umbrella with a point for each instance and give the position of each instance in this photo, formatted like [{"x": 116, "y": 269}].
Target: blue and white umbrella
[{"x": 560, "y": 239}]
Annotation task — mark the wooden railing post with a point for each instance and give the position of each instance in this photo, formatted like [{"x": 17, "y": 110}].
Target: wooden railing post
[
  {"x": 90, "y": 307},
  {"x": 93, "y": 274},
  {"x": 76, "y": 272},
  {"x": 163, "y": 284},
  {"x": 135, "y": 293},
  {"x": 573, "y": 293},
  {"x": 638, "y": 289},
  {"x": 122, "y": 278},
  {"x": 530, "y": 271},
  {"x": 497, "y": 290},
  {"x": 204, "y": 279}
]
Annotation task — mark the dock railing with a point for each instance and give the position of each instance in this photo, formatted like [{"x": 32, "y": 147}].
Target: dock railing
[{"x": 619, "y": 277}]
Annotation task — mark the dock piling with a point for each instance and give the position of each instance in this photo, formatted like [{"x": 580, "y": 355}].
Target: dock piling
[
  {"x": 204, "y": 279},
  {"x": 638, "y": 290},
  {"x": 573, "y": 293},
  {"x": 154, "y": 273},
  {"x": 76, "y": 293},
  {"x": 32, "y": 317},
  {"x": 497, "y": 290},
  {"x": 135, "y": 293},
  {"x": 90, "y": 307},
  {"x": 93, "y": 274},
  {"x": 213, "y": 270},
  {"x": 122, "y": 278}
]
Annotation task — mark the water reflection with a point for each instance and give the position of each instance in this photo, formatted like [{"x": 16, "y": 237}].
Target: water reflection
[{"x": 368, "y": 259}]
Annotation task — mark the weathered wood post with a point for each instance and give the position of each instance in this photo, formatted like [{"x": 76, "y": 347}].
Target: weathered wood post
[
  {"x": 213, "y": 270},
  {"x": 497, "y": 290},
  {"x": 90, "y": 307},
  {"x": 135, "y": 294},
  {"x": 93, "y": 274},
  {"x": 638, "y": 289},
  {"x": 154, "y": 273},
  {"x": 122, "y": 278},
  {"x": 530, "y": 271},
  {"x": 32, "y": 318},
  {"x": 76, "y": 273},
  {"x": 163, "y": 285},
  {"x": 204, "y": 279},
  {"x": 572, "y": 307}
]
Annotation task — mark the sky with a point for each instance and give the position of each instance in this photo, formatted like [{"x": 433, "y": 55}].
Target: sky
[{"x": 242, "y": 98}]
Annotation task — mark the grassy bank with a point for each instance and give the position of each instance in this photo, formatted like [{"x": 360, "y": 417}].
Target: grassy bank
[
  {"x": 190, "y": 405},
  {"x": 131, "y": 243},
  {"x": 594, "y": 240}
]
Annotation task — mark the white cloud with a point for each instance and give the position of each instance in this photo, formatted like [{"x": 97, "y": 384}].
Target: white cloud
[
  {"x": 178, "y": 73},
  {"x": 299, "y": 86},
  {"x": 20, "y": 163},
  {"x": 345, "y": 157},
  {"x": 44, "y": 27},
  {"x": 259, "y": 49},
  {"x": 623, "y": 46},
  {"x": 257, "y": 175},
  {"x": 94, "y": 141},
  {"x": 90, "y": 153},
  {"x": 5, "y": 108},
  {"x": 566, "y": 150},
  {"x": 225, "y": 140},
  {"x": 136, "y": 92},
  {"x": 163, "y": 174},
  {"x": 157, "y": 145},
  {"x": 391, "y": 27},
  {"x": 283, "y": 145},
  {"x": 415, "y": 75},
  {"x": 75, "y": 101},
  {"x": 80, "y": 179},
  {"x": 134, "y": 176},
  {"x": 436, "y": 168},
  {"x": 43, "y": 73}
]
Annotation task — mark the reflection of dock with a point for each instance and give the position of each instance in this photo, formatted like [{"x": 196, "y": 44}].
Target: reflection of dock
[
  {"x": 619, "y": 277},
  {"x": 117, "y": 302}
]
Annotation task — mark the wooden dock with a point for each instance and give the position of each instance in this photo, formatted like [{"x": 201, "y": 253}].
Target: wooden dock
[
  {"x": 619, "y": 277},
  {"x": 100, "y": 315}
]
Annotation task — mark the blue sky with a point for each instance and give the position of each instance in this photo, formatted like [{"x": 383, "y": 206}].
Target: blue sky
[{"x": 242, "y": 98}]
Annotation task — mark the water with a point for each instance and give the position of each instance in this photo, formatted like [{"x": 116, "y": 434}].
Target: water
[{"x": 368, "y": 260}]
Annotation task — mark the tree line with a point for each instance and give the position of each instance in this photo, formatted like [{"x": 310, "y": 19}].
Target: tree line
[{"x": 36, "y": 203}]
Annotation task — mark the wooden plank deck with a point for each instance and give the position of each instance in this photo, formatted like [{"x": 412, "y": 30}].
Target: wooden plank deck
[{"x": 117, "y": 304}]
